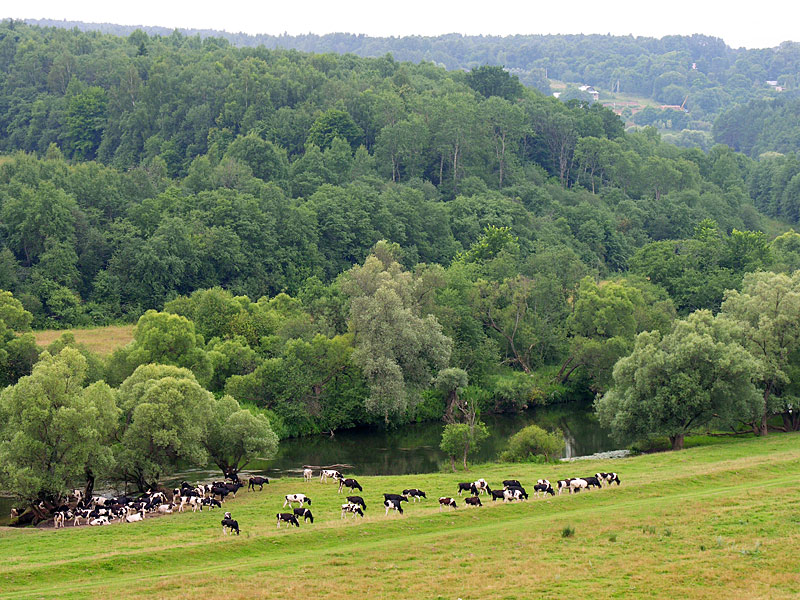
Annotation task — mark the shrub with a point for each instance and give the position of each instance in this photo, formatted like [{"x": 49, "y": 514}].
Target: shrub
[
  {"x": 532, "y": 444},
  {"x": 568, "y": 531}
]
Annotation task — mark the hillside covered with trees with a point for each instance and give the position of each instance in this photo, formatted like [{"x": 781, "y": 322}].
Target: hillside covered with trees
[{"x": 334, "y": 240}]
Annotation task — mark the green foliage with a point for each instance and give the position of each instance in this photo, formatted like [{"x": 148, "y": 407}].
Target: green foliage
[
  {"x": 458, "y": 438},
  {"x": 331, "y": 124},
  {"x": 682, "y": 381},
  {"x": 53, "y": 430},
  {"x": 494, "y": 81},
  {"x": 531, "y": 442}
]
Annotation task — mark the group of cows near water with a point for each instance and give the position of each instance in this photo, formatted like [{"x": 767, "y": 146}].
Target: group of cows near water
[{"x": 100, "y": 510}]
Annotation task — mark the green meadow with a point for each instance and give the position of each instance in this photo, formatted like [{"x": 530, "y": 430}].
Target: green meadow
[{"x": 719, "y": 521}]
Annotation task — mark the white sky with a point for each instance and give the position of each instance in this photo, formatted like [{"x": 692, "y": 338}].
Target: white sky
[{"x": 753, "y": 24}]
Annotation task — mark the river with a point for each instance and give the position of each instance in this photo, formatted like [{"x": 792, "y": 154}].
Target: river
[{"x": 410, "y": 449}]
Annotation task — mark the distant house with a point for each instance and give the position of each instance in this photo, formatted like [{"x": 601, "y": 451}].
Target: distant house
[
  {"x": 591, "y": 91},
  {"x": 774, "y": 85}
]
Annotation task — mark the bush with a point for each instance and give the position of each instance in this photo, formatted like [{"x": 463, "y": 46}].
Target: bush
[
  {"x": 534, "y": 444},
  {"x": 568, "y": 531}
]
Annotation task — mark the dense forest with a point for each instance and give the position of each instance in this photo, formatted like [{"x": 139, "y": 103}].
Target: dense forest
[{"x": 267, "y": 198}]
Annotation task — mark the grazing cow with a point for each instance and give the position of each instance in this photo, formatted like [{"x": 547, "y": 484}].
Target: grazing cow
[
  {"x": 305, "y": 513},
  {"x": 229, "y": 524},
  {"x": 467, "y": 487},
  {"x": 357, "y": 500},
  {"x": 415, "y": 494},
  {"x": 352, "y": 507},
  {"x": 349, "y": 483},
  {"x": 393, "y": 505},
  {"x": 542, "y": 482},
  {"x": 577, "y": 484},
  {"x": 498, "y": 494},
  {"x": 511, "y": 483},
  {"x": 211, "y": 503},
  {"x": 592, "y": 482},
  {"x": 473, "y": 501},
  {"x": 481, "y": 486},
  {"x": 543, "y": 489},
  {"x": 100, "y": 521},
  {"x": 288, "y": 518},
  {"x": 308, "y": 474},
  {"x": 301, "y": 498},
  {"x": 395, "y": 497},
  {"x": 332, "y": 473},
  {"x": 220, "y": 491},
  {"x": 563, "y": 484},
  {"x": 447, "y": 501},
  {"x": 233, "y": 487},
  {"x": 138, "y": 516},
  {"x": 608, "y": 478},
  {"x": 514, "y": 494},
  {"x": 256, "y": 481}
]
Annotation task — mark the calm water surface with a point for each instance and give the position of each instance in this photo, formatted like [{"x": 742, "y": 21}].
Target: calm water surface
[{"x": 410, "y": 449}]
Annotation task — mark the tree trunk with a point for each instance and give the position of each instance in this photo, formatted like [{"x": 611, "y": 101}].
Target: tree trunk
[
  {"x": 453, "y": 463},
  {"x": 791, "y": 421},
  {"x": 677, "y": 441},
  {"x": 466, "y": 451},
  {"x": 89, "y": 484},
  {"x": 763, "y": 428}
]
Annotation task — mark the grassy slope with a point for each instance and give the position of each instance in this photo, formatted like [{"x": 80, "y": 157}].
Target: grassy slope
[
  {"x": 712, "y": 522},
  {"x": 101, "y": 340}
]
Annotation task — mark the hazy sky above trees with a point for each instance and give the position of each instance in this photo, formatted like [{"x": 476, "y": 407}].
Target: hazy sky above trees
[{"x": 739, "y": 23}]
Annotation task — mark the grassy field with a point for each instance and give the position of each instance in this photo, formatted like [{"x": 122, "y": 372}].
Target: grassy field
[
  {"x": 101, "y": 340},
  {"x": 716, "y": 522}
]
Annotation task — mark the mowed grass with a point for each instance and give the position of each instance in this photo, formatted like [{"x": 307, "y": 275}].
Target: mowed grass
[
  {"x": 712, "y": 522},
  {"x": 100, "y": 340}
]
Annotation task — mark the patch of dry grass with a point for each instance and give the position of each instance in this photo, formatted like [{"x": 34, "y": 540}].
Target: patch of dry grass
[{"x": 100, "y": 340}]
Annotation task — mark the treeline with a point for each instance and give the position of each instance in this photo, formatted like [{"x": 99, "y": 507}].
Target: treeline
[{"x": 704, "y": 68}]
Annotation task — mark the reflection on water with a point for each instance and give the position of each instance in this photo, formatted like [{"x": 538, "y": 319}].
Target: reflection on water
[{"x": 410, "y": 449}]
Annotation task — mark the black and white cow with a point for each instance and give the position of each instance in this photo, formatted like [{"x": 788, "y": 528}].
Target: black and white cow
[
  {"x": 349, "y": 483},
  {"x": 511, "y": 494},
  {"x": 104, "y": 520},
  {"x": 352, "y": 508},
  {"x": 608, "y": 478},
  {"x": 329, "y": 473},
  {"x": 393, "y": 505},
  {"x": 541, "y": 488},
  {"x": 578, "y": 484},
  {"x": 256, "y": 481},
  {"x": 305, "y": 513},
  {"x": 357, "y": 500},
  {"x": 211, "y": 503},
  {"x": 543, "y": 482},
  {"x": 563, "y": 484},
  {"x": 134, "y": 517},
  {"x": 229, "y": 524},
  {"x": 288, "y": 518},
  {"x": 301, "y": 498},
  {"x": 308, "y": 474},
  {"x": 481, "y": 486},
  {"x": 396, "y": 497},
  {"x": 415, "y": 494},
  {"x": 511, "y": 483},
  {"x": 473, "y": 501},
  {"x": 447, "y": 501},
  {"x": 592, "y": 482},
  {"x": 61, "y": 516},
  {"x": 467, "y": 486}
]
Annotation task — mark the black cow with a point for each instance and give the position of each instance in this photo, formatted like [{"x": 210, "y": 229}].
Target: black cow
[
  {"x": 467, "y": 487},
  {"x": 357, "y": 500},
  {"x": 305, "y": 513},
  {"x": 592, "y": 482},
  {"x": 473, "y": 501},
  {"x": 349, "y": 483},
  {"x": 511, "y": 483},
  {"x": 220, "y": 491},
  {"x": 288, "y": 518},
  {"x": 257, "y": 481},
  {"x": 498, "y": 494}
]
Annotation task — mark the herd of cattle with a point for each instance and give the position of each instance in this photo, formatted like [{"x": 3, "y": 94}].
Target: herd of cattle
[{"x": 100, "y": 510}]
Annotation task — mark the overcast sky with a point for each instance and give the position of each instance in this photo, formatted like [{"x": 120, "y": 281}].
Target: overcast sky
[{"x": 753, "y": 24}]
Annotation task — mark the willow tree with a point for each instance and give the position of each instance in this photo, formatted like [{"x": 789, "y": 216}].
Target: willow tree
[
  {"x": 677, "y": 383},
  {"x": 397, "y": 348}
]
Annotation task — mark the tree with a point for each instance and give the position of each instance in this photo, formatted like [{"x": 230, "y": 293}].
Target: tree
[
  {"x": 768, "y": 312},
  {"x": 673, "y": 384},
  {"x": 492, "y": 80},
  {"x": 398, "y": 349},
  {"x": 533, "y": 441},
  {"x": 54, "y": 432},
  {"x": 451, "y": 382},
  {"x": 267, "y": 161},
  {"x": 18, "y": 353},
  {"x": 165, "y": 421},
  {"x": 331, "y": 124},
  {"x": 236, "y": 436},
  {"x": 460, "y": 437}
]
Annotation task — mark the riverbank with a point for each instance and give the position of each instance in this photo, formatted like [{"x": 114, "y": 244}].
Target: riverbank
[{"x": 716, "y": 521}]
